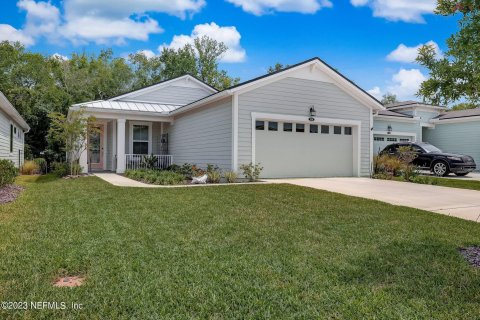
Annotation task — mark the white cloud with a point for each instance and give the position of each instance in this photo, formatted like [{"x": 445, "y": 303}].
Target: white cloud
[
  {"x": 376, "y": 92},
  {"x": 105, "y": 21},
  {"x": 59, "y": 56},
  {"x": 399, "y": 10},
  {"x": 42, "y": 18},
  {"x": 9, "y": 33},
  {"x": 147, "y": 53},
  {"x": 228, "y": 35},
  {"x": 408, "y": 54},
  {"x": 404, "y": 84},
  {"x": 259, "y": 7}
]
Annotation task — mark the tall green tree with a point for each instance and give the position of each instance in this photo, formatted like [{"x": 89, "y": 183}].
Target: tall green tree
[
  {"x": 456, "y": 75},
  {"x": 388, "y": 98},
  {"x": 277, "y": 67}
]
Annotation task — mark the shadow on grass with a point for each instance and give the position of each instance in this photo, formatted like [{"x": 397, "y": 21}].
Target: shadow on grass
[{"x": 429, "y": 269}]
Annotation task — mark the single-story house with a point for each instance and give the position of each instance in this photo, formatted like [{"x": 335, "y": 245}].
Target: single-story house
[
  {"x": 451, "y": 131},
  {"x": 304, "y": 121},
  {"x": 12, "y": 132}
]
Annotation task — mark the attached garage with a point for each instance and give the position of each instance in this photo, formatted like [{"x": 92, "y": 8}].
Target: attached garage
[
  {"x": 288, "y": 146},
  {"x": 380, "y": 141}
]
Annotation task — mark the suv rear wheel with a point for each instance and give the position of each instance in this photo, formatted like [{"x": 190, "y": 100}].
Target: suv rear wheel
[{"x": 440, "y": 168}]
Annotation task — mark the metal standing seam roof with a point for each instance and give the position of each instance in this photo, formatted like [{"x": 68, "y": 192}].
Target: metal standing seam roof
[{"x": 129, "y": 106}]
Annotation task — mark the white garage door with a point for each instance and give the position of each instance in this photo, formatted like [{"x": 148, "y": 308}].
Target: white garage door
[
  {"x": 380, "y": 141},
  {"x": 294, "y": 150}
]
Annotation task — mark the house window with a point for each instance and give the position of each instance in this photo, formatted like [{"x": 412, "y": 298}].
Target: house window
[
  {"x": 11, "y": 138},
  {"x": 287, "y": 127},
  {"x": 325, "y": 129},
  {"x": 347, "y": 131},
  {"x": 272, "y": 126},
  {"x": 313, "y": 128},
  {"x": 337, "y": 130},
  {"x": 140, "y": 139},
  {"x": 260, "y": 125},
  {"x": 379, "y": 138},
  {"x": 300, "y": 127}
]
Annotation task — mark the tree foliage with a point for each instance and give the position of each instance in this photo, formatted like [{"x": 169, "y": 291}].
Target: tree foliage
[
  {"x": 277, "y": 67},
  {"x": 456, "y": 75},
  {"x": 38, "y": 85},
  {"x": 463, "y": 106},
  {"x": 388, "y": 98}
]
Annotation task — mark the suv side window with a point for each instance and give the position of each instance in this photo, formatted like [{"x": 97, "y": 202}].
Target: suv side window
[
  {"x": 417, "y": 149},
  {"x": 392, "y": 148}
]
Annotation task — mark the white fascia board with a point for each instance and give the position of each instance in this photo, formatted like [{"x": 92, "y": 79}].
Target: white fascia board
[
  {"x": 10, "y": 110},
  {"x": 421, "y": 107},
  {"x": 395, "y": 119},
  {"x": 129, "y": 115},
  {"x": 199, "y": 103},
  {"x": 455, "y": 120},
  {"x": 339, "y": 80},
  {"x": 163, "y": 84}
]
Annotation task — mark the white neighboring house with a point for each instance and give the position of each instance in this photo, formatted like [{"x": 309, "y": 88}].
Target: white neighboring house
[
  {"x": 12, "y": 132},
  {"x": 305, "y": 121}
]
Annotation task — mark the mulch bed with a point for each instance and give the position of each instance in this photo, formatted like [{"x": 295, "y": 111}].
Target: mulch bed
[
  {"x": 9, "y": 193},
  {"x": 472, "y": 255}
]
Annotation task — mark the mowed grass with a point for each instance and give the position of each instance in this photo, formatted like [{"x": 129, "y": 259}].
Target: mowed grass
[
  {"x": 458, "y": 183},
  {"x": 223, "y": 252}
]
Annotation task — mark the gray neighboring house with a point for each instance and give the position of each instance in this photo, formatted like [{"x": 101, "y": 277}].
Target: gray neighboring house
[
  {"x": 305, "y": 121},
  {"x": 12, "y": 132},
  {"x": 452, "y": 131}
]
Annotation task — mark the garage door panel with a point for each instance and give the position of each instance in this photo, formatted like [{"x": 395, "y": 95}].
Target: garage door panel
[{"x": 296, "y": 154}]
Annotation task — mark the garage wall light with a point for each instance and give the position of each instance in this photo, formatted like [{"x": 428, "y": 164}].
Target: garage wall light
[
  {"x": 312, "y": 113},
  {"x": 389, "y": 129}
]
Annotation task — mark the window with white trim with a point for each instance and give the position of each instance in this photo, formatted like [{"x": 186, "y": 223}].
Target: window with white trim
[
  {"x": 287, "y": 127},
  {"x": 300, "y": 127},
  {"x": 378, "y": 138},
  {"x": 404, "y": 140},
  {"x": 392, "y": 139},
  {"x": 337, "y": 130},
  {"x": 140, "y": 139},
  {"x": 347, "y": 131}
]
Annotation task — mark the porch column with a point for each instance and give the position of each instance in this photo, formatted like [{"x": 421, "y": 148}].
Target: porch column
[
  {"x": 83, "y": 160},
  {"x": 120, "y": 145}
]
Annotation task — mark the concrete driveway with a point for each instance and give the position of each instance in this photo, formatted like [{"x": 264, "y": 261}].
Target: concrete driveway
[{"x": 459, "y": 203}]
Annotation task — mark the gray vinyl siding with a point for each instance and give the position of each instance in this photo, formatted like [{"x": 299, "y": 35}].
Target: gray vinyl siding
[
  {"x": 398, "y": 126},
  {"x": 204, "y": 136},
  {"x": 176, "y": 95},
  {"x": 293, "y": 96},
  {"x": 18, "y": 142},
  {"x": 463, "y": 138},
  {"x": 426, "y": 116}
]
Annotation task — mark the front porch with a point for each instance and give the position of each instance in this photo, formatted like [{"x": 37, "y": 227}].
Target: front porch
[{"x": 120, "y": 144}]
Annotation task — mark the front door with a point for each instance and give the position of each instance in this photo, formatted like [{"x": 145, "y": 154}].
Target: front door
[{"x": 95, "y": 142}]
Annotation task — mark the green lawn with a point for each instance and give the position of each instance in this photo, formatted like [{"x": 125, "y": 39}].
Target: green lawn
[
  {"x": 458, "y": 183},
  {"x": 253, "y": 251}
]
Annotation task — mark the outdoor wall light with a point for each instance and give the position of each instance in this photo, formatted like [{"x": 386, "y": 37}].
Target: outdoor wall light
[
  {"x": 312, "y": 113},
  {"x": 389, "y": 129}
]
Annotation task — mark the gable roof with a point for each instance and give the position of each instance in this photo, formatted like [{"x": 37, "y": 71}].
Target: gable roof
[
  {"x": 388, "y": 113},
  {"x": 411, "y": 103},
  {"x": 459, "y": 114},
  {"x": 109, "y": 105},
  {"x": 10, "y": 110},
  {"x": 339, "y": 79},
  {"x": 164, "y": 83}
]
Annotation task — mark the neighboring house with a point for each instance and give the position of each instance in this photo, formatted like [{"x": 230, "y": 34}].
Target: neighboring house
[
  {"x": 452, "y": 131},
  {"x": 305, "y": 121},
  {"x": 12, "y": 132}
]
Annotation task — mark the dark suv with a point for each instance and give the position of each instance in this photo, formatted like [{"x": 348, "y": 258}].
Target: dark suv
[{"x": 431, "y": 158}]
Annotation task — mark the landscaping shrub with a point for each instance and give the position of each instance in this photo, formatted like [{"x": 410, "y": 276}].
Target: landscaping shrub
[
  {"x": 161, "y": 177},
  {"x": 29, "y": 167},
  {"x": 76, "y": 169},
  {"x": 214, "y": 174},
  {"x": 42, "y": 165},
  {"x": 231, "y": 176},
  {"x": 386, "y": 166},
  {"x": 251, "y": 171},
  {"x": 8, "y": 172},
  {"x": 60, "y": 169}
]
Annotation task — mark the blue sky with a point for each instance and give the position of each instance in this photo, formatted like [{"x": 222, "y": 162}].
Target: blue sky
[{"x": 372, "y": 42}]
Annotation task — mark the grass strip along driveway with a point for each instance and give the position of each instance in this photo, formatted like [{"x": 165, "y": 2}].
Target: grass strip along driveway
[{"x": 253, "y": 251}]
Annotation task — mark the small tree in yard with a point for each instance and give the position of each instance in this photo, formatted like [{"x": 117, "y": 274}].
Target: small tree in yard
[
  {"x": 72, "y": 132},
  {"x": 251, "y": 171}
]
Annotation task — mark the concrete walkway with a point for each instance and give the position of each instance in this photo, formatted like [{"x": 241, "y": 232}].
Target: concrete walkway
[{"x": 455, "y": 202}]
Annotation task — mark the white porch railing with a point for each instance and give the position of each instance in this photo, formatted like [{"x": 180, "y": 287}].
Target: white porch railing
[{"x": 143, "y": 161}]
